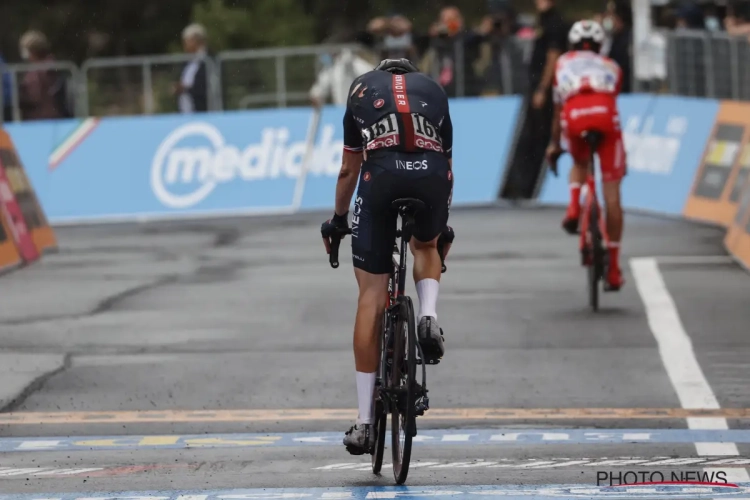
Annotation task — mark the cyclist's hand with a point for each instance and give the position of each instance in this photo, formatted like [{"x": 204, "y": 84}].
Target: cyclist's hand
[
  {"x": 554, "y": 151},
  {"x": 334, "y": 228}
]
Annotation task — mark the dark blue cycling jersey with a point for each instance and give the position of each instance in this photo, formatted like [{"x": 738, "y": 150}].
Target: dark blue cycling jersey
[{"x": 404, "y": 113}]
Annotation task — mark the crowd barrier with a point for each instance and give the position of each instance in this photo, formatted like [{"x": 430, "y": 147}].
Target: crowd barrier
[
  {"x": 226, "y": 163},
  {"x": 687, "y": 157}
]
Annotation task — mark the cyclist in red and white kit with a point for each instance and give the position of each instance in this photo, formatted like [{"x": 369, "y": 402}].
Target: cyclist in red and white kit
[{"x": 586, "y": 85}]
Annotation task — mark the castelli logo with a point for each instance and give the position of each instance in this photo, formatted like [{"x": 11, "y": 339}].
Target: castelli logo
[
  {"x": 367, "y": 176},
  {"x": 379, "y": 103}
]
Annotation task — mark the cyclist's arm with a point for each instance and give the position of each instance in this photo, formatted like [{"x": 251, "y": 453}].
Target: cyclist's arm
[{"x": 350, "y": 165}]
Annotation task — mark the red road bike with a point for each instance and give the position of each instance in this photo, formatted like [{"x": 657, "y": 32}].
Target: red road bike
[{"x": 594, "y": 239}]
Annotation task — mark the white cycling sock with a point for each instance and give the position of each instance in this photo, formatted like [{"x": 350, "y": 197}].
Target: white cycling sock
[
  {"x": 365, "y": 388},
  {"x": 427, "y": 291}
]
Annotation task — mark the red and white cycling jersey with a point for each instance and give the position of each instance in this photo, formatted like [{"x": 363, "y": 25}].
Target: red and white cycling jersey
[{"x": 585, "y": 72}]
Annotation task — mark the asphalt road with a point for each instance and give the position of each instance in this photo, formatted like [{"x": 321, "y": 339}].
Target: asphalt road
[{"x": 246, "y": 314}]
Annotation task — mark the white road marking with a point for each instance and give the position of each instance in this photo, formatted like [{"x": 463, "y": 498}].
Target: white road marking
[
  {"x": 38, "y": 445},
  {"x": 725, "y": 464},
  {"x": 44, "y": 471},
  {"x": 678, "y": 356}
]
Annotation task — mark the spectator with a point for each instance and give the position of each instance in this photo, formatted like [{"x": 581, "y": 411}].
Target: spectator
[
  {"x": 737, "y": 22},
  {"x": 449, "y": 38},
  {"x": 392, "y": 37},
  {"x": 689, "y": 16},
  {"x": 5, "y": 92},
  {"x": 620, "y": 27},
  {"x": 536, "y": 125},
  {"x": 499, "y": 54},
  {"x": 192, "y": 89},
  {"x": 42, "y": 93},
  {"x": 335, "y": 80}
]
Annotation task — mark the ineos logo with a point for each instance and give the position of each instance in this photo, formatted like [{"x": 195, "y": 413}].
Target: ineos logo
[{"x": 411, "y": 165}]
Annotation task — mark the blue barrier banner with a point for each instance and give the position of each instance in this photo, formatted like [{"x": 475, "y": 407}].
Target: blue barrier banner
[
  {"x": 224, "y": 163},
  {"x": 665, "y": 138}
]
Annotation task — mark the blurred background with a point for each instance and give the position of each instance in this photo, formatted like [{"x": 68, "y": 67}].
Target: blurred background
[{"x": 67, "y": 58}]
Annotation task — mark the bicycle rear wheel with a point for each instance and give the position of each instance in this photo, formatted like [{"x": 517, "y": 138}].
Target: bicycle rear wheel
[
  {"x": 403, "y": 380},
  {"x": 596, "y": 268}
]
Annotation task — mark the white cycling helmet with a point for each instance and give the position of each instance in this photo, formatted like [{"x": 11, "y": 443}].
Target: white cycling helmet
[{"x": 586, "y": 30}]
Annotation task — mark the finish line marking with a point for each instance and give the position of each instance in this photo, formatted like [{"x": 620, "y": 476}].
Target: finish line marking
[
  {"x": 722, "y": 463},
  {"x": 449, "y": 437},
  {"x": 509, "y": 492},
  {"x": 435, "y": 414}
]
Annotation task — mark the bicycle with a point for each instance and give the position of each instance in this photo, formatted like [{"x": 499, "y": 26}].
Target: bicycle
[
  {"x": 397, "y": 390},
  {"x": 594, "y": 239}
]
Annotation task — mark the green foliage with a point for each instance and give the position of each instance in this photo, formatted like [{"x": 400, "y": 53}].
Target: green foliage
[{"x": 254, "y": 23}]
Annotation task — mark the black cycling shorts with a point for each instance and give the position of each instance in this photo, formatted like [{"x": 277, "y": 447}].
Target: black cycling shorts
[{"x": 385, "y": 177}]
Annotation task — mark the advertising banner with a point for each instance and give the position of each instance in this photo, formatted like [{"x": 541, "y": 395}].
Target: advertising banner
[
  {"x": 726, "y": 163},
  {"x": 33, "y": 216},
  {"x": 737, "y": 240},
  {"x": 664, "y": 139},
  {"x": 228, "y": 163},
  {"x": 12, "y": 213},
  {"x": 9, "y": 257}
]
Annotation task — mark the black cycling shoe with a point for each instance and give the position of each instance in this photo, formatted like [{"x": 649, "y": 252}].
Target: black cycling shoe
[
  {"x": 570, "y": 226},
  {"x": 431, "y": 340}
]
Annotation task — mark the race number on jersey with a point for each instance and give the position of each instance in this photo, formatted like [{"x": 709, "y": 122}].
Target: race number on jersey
[
  {"x": 382, "y": 134},
  {"x": 579, "y": 72}
]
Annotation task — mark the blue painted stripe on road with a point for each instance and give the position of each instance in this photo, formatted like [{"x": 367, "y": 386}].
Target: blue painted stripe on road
[
  {"x": 425, "y": 437},
  {"x": 511, "y": 492}
]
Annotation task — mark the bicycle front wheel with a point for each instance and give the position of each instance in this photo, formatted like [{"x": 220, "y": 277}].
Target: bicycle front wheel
[{"x": 403, "y": 380}]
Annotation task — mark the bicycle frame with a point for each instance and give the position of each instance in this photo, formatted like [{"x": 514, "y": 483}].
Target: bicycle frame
[
  {"x": 590, "y": 201},
  {"x": 397, "y": 278}
]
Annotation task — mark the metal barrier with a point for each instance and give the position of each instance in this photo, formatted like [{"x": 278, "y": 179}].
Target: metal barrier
[
  {"x": 139, "y": 85},
  {"x": 275, "y": 77},
  {"x": 65, "y": 86},
  {"x": 706, "y": 64}
]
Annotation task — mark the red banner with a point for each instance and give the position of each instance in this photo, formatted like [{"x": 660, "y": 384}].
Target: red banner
[{"x": 17, "y": 225}]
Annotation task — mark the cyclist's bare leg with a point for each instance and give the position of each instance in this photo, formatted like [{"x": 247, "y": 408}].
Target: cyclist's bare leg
[
  {"x": 427, "y": 271},
  {"x": 367, "y": 328},
  {"x": 614, "y": 220},
  {"x": 576, "y": 179}
]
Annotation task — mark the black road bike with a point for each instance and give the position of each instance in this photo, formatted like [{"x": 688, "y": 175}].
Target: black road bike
[{"x": 398, "y": 389}]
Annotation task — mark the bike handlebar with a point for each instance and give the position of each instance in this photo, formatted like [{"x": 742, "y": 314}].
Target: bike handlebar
[
  {"x": 333, "y": 254},
  {"x": 335, "y": 243}
]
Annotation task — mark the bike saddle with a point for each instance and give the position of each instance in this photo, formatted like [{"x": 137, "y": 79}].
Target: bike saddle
[
  {"x": 593, "y": 137},
  {"x": 408, "y": 205}
]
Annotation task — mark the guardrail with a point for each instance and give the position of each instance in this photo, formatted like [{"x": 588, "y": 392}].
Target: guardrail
[{"x": 273, "y": 77}]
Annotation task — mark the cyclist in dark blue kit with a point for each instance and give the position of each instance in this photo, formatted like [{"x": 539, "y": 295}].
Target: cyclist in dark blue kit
[{"x": 398, "y": 139}]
